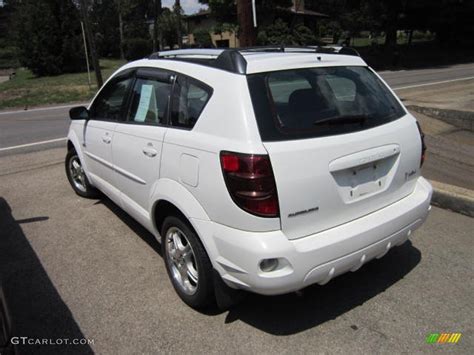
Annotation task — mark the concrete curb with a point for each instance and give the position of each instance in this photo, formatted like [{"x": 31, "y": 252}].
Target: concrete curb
[
  {"x": 460, "y": 119},
  {"x": 453, "y": 198}
]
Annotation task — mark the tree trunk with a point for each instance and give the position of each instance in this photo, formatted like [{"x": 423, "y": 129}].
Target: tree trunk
[
  {"x": 178, "y": 28},
  {"x": 390, "y": 37},
  {"x": 91, "y": 39},
  {"x": 157, "y": 13},
  {"x": 247, "y": 33},
  {"x": 391, "y": 25},
  {"x": 122, "y": 54},
  {"x": 410, "y": 37}
]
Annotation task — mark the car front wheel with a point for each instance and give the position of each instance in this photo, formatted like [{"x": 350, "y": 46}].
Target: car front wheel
[{"x": 77, "y": 176}]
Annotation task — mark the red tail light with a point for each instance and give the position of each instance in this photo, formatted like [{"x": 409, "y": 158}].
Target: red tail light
[
  {"x": 250, "y": 182},
  {"x": 423, "y": 145}
]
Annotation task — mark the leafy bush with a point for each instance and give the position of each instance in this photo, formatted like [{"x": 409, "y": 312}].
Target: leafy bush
[
  {"x": 137, "y": 48},
  {"x": 8, "y": 58},
  {"x": 303, "y": 36}
]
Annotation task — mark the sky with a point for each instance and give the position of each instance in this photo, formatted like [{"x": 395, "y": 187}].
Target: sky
[{"x": 189, "y": 6}]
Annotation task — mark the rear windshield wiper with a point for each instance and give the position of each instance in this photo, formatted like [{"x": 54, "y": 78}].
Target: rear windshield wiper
[{"x": 343, "y": 119}]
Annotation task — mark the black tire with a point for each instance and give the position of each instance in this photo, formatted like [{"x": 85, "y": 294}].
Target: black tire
[
  {"x": 83, "y": 189},
  {"x": 203, "y": 295}
]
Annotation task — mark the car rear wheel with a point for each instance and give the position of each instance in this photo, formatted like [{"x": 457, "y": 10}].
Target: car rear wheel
[
  {"x": 77, "y": 176},
  {"x": 187, "y": 263}
]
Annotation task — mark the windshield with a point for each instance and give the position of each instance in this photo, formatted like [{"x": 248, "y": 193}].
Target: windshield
[{"x": 316, "y": 102}]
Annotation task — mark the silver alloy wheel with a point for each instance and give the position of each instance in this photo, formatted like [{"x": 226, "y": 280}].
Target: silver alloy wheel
[
  {"x": 182, "y": 261},
  {"x": 78, "y": 175}
]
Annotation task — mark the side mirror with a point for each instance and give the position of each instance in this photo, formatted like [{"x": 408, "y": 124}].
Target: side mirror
[{"x": 79, "y": 113}]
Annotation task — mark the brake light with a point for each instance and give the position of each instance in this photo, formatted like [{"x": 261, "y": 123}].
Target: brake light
[
  {"x": 250, "y": 182},
  {"x": 423, "y": 145}
]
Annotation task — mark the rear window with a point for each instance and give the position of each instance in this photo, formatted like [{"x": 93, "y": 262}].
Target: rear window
[{"x": 315, "y": 102}]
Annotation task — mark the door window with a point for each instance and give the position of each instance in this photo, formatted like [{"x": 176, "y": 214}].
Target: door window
[
  {"x": 109, "y": 105},
  {"x": 149, "y": 101}
]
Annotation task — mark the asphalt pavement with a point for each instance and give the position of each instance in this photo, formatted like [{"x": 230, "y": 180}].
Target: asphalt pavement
[
  {"x": 74, "y": 268},
  {"x": 19, "y": 127},
  {"x": 450, "y": 154},
  {"x": 402, "y": 79}
]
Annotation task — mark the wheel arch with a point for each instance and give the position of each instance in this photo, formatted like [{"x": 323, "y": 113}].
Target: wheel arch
[
  {"x": 171, "y": 197},
  {"x": 163, "y": 209},
  {"x": 73, "y": 142},
  {"x": 70, "y": 146}
]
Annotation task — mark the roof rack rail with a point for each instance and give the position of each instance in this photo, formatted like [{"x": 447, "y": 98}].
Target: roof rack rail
[
  {"x": 195, "y": 52},
  {"x": 232, "y": 60}
]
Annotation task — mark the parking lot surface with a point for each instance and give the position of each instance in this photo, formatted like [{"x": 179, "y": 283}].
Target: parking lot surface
[{"x": 74, "y": 268}]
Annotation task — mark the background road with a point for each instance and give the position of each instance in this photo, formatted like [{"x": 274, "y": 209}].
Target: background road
[
  {"x": 35, "y": 125},
  {"x": 406, "y": 78},
  {"x": 23, "y": 127},
  {"x": 73, "y": 268}
]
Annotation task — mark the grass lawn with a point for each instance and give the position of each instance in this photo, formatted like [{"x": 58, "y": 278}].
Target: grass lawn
[
  {"x": 27, "y": 90},
  {"x": 365, "y": 41}
]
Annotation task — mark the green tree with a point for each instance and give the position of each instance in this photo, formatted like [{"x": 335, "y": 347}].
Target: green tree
[
  {"x": 8, "y": 49},
  {"x": 6, "y": 13},
  {"x": 280, "y": 33},
  {"x": 49, "y": 36},
  {"x": 135, "y": 14},
  {"x": 202, "y": 38},
  {"x": 178, "y": 13},
  {"x": 167, "y": 27},
  {"x": 225, "y": 11},
  {"x": 105, "y": 22}
]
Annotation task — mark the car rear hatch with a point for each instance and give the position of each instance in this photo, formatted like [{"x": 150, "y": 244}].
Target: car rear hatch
[{"x": 340, "y": 144}]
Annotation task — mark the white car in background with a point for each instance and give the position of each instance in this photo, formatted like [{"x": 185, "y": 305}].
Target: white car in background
[{"x": 260, "y": 169}]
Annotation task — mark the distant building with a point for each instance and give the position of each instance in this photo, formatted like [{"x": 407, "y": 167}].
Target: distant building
[{"x": 203, "y": 21}]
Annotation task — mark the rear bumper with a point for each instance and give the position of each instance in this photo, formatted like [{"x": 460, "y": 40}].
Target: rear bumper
[{"x": 317, "y": 258}]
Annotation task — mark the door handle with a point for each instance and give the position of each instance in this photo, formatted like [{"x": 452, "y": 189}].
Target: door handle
[
  {"x": 150, "y": 152},
  {"x": 106, "y": 139}
]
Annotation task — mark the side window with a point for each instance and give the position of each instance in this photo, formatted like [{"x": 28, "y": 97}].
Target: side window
[
  {"x": 189, "y": 98},
  {"x": 149, "y": 102},
  {"x": 109, "y": 105}
]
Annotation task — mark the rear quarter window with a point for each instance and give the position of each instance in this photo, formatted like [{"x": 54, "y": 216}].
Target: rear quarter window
[
  {"x": 189, "y": 99},
  {"x": 315, "y": 102}
]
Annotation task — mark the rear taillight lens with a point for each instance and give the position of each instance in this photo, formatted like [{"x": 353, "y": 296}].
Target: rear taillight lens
[
  {"x": 250, "y": 182},
  {"x": 423, "y": 145}
]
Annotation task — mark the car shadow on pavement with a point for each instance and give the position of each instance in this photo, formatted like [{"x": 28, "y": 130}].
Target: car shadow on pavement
[
  {"x": 35, "y": 307},
  {"x": 136, "y": 227},
  {"x": 297, "y": 312}
]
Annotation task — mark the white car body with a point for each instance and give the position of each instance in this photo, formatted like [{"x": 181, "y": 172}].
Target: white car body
[{"x": 322, "y": 230}]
